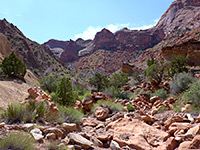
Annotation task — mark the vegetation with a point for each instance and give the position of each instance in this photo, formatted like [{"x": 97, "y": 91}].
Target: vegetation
[
  {"x": 49, "y": 83},
  {"x": 17, "y": 141},
  {"x": 113, "y": 107},
  {"x": 177, "y": 65},
  {"x": 192, "y": 95},
  {"x": 156, "y": 71},
  {"x": 99, "y": 81},
  {"x": 119, "y": 80},
  {"x": 161, "y": 93},
  {"x": 53, "y": 145},
  {"x": 69, "y": 114},
  {"x": 64, "y": 92},
  {"x": 181, "y": 83},
  {"x": 12, "y": 66},
  {"x": 19, "y": 113}
]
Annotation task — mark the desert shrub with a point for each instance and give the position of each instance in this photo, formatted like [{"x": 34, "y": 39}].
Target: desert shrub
[
  {"x": 192, "y": 95},
  {"x": 181, "y": 83},
  {"x": 99, "y": 81},
  {"x": 151, "y": 61},
  {"x": 53, "y": 145},
  {"x": 113, "y": 107},
  {"x": 130, "y": 107},
  {"x": 17, "y": 141},
  {"x": 161, "y": 93},
  {"x": 12, "y": 66},
  {"x": 80, "y": 92},
  {"x": 177, "y": 65},
  {"x": 119, "y": 80},
  {"x": 64, "y": 92},
  {"x": 69, "y": 114},
  {"x": 19, "y": 113},
  {"x": 116, "y": 93},
  {"x": 138, "y": 76},
  {"x": 49, "y": 83}
]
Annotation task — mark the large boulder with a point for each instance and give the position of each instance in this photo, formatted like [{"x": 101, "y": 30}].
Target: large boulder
[{"x": 136, "y": 134}]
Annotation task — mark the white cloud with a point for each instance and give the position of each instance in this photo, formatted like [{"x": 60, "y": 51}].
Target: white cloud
[
  {"x": 90, "y": 32},
  {"x": 146, "y": 26}
]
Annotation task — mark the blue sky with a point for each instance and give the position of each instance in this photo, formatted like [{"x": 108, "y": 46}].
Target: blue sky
[{"x": 41, "y": 20}]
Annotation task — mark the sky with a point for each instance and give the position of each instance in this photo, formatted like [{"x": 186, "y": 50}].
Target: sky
[{"x": 41, "y": 20}]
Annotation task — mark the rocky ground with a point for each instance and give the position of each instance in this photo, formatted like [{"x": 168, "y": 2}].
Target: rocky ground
[{"x": 146, "y": 128}]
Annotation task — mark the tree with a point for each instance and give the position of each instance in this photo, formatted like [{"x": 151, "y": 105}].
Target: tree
[
  {"x": 64, "y": 92},
  {"x": 156, "y": 71},
  {"x": 12, "y": 66},
  {"x": 119, "y": 80},
  {"x": 177, "y": 65},
  {"x": 99, "y": 81}
]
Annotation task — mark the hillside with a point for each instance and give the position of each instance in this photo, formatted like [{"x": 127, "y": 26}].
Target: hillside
[{"x": 38, "y": 58}]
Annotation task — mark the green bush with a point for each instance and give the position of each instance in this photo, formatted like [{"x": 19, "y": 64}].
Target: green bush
[
  {"x": 113, "y": 107},
  {"x": 49, "y": 83},
  {"x": 119, "y": 80},
  {"x": 177, "y": 65},
  {"x": 20, "y": 113},
  {"x": 12, "y": 66},
  {"x": 64, "y": 92},
  {"x": 161, "y": 93},
  {"x": 130, "y": 107},
  {"x": 156, "y": 71},
  {"x": 17, "y": 141},
  {"x": 192, "y": 95},
  {"x": 115, "y": 93},
  {"x": 99, "y": 81},
  {"x": 181, "y": 83},
  {"x": 69, "y": 114}
]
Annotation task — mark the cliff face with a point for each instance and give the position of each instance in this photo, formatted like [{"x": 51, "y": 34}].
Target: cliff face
[
  {"x": 175, "y": 27},
  {"x": 37, "y": 58}
]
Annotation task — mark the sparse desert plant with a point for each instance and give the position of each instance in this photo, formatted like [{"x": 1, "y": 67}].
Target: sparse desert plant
[
  {"x": 130, "y": 107},
  {"x": 23, "y": 113},
  {"x": 17, "y": 141},
  {"x": 161, "y": 93},
  {"x": 49, "y": 83},
  {"x": 54, "y": 145},
  {"x": 181, "y": 83},
  {"x": 192, "y": 95},
  {"x": 69, "y": 114},
  {"x": 113, "y": 107}
]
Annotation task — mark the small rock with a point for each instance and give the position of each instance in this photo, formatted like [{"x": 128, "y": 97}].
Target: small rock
[
  {"x": 100, "y": 126},
  {"x": 28, "y": 126},
  {"x": 69, "y": 126},
  {"x": 171, "y": 143},
  {"x": 195, "y": 130},
  {"x": 70, "y": 147},
  {"x": 37, "y": 134},
  {"x": 78, "y": 139},
  {"x": 54, "y": 130},
  {"x": 101, "y": 113},
  {"x": 114, "y": 145},
  {"x": 104, "y": 137},
  {"x": 194, "y": 144},
  {"x": 2, "y": 124},
  {"x": 178, "y": 126},
  {"x": 51, "y": 136},
  {"x": 173, "y": 119},
  {"x": 189, "y": 116},
  {"x": 154, "y": 98},
  {"x": 96, "y": 142}
]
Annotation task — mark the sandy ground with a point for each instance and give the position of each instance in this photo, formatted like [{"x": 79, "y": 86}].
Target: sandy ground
[{"x": 15, "y": 91}]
